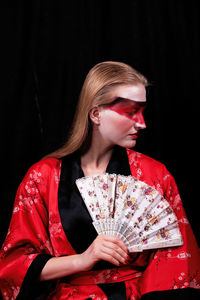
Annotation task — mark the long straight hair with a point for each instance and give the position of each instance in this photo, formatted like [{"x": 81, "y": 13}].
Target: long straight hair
[{"x": 100, "y": 79}]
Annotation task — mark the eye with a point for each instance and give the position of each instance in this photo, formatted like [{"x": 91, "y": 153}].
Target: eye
[{"x": 130, "y": 113}]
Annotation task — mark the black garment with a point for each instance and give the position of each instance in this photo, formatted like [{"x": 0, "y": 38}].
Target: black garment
[{"x": 75, "y": 218}]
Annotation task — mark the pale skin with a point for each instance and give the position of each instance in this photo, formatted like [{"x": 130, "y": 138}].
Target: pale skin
[{"x": 109, "y": 129}]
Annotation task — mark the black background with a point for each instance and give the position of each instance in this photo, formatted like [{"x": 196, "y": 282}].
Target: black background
[{"x": 48, "y": 47}]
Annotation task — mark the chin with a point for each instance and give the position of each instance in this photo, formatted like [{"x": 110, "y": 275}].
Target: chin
[{"x": 129, "y": 144}]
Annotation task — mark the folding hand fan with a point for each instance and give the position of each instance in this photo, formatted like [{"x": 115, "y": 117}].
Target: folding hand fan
[{"x": 130, "y": 209}]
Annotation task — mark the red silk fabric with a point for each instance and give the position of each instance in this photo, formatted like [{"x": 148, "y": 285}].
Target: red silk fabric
[
  {"x": 104, "y": 276},
  {"x": 36, "y": 228}
]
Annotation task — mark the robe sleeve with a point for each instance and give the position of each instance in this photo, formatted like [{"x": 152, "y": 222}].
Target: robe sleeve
[
  {"x": 27, "y": 244},
  {"x": 176, "y": 268}
]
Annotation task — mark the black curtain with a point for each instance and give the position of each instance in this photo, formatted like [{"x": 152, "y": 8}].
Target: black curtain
[{"x": 49, "y": 46}]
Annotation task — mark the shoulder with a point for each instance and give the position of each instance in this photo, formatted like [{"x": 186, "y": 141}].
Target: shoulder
[
  {"x": 148, "y": 169},
  {"x": 143, "y": 160},
  {"x": 155, "y": 174},
  {"x": 47, "y": 163},
  {"x": 39, "y": 177},
  {"x": 43, "y": 168}
]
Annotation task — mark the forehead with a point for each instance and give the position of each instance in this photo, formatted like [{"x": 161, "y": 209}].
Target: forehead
[
  {"x": 127, "y": 104},
  {"x": 136, "y": 93}
]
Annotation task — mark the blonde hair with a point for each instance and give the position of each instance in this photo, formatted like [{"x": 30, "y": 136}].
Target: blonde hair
[{"x": 100, "y": 79}]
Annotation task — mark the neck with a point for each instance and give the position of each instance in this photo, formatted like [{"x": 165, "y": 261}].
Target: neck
[{"x": 97, "y": 157}]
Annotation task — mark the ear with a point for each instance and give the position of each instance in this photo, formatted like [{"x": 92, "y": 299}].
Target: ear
[{"x": 94, "y": 115}]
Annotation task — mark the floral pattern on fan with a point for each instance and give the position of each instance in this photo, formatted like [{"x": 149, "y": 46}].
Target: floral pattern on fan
[{"x": 130, "y": 209}]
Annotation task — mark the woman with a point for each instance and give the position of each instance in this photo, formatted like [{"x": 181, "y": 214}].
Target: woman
[{"x": 52, "y": 250}]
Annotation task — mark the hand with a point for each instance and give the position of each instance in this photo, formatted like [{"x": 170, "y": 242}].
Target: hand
[{"x": 105, "y": 247}]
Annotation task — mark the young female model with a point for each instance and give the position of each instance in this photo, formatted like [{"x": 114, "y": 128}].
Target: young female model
[{"x": 52, "y": 250}]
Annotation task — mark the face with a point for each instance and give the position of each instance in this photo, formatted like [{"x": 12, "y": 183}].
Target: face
[{"x": 122, "y": 119}]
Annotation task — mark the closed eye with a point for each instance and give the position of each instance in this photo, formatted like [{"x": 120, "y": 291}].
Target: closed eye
[{"x": 130, "y": 113}]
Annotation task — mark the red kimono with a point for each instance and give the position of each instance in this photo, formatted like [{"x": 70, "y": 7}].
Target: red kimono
[{"x": 36, "y": 233}]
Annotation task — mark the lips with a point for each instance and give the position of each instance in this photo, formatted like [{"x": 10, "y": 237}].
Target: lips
[{"x": 134, "y": 135}]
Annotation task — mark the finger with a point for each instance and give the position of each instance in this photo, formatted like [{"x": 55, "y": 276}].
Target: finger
[
  {"x": 110, "y": 258},
  {"x": 117, "y": 241},
  {"x": 115, "y": 248},
  {"x": 117, "y": 253}
]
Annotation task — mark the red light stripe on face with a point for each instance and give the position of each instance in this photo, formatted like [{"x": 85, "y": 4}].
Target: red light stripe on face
[{"x": 129, "y": 111}]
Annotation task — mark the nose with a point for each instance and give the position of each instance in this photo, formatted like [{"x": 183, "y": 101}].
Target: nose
[{"x": 139, "y": 120}]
